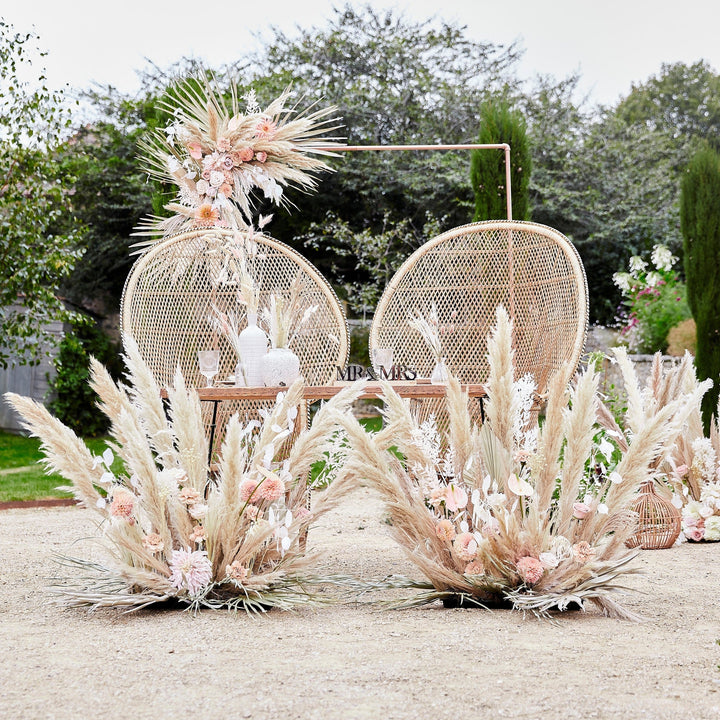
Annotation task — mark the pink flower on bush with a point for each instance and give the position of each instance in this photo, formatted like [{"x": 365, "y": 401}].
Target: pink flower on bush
[
  {"x": 530, "y": 569},
  {"x": 465, "y": 546},
  {"x": 191, "y": 571},
  {"x": 445, "y": 530},
  {"x": 455, "y": 497}
]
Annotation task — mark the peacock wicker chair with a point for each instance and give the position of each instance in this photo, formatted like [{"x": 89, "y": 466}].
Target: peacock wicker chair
[
  {"x": 531, "y": 269},
  {"x": 173, "y": 287}
]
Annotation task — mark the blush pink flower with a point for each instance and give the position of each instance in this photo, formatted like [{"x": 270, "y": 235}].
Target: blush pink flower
[
  {"x": 237, "y": 572},
  {"x": 190, "y": 570},
  {"x": 465, "y": 546},
  {"x": 455, "y": 497},
  {"x": 272, "y": 488},
  {"x": 580, "y": 510},
  {"x": 122, "y": 505},
  {"x": 266, "y": 129},
  {"x": 695, "y": 533},
  {"x": 245, "y": 154},
  {"x": 226, "y": 189},
  {"x": 252, "y": 512},
  {"x": 206, "y": 215},
  {"x": 261, "y": 156},
  {"x": 189, "y": 496},
  {"x": 198, "y": 534},
  {"x": 154, "y": 543},
  {"x": 228, "y": 163},
  {"x": 247, "y": 489},
  {"x": 474, "y": 568},
  {"x": 583, "y": 552},
  {"x": 195, "y": 150},
  {"x": 530, "y": 569},
  {"x": 223, "y": 144},
  {"x": 445, "y": 530}
]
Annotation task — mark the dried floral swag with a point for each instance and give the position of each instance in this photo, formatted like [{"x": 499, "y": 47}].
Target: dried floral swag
[
  {"x": 174, "y": 530},
  {"x": 504, "y": 512}
]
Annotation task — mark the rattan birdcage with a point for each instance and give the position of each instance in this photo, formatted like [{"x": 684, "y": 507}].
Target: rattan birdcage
[
  {"x": 533, "y": 270},
  {"x": 171, "y": 291},
  {"x": 659, "y": 521}
]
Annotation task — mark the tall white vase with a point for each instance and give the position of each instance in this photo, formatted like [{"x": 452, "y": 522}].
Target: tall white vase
[
  {"x": 253, "y": 347},
  {"x": 281, "y": 366}
]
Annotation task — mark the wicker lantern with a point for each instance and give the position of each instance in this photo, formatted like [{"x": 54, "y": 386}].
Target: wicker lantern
[{"x": 659, "y": 520}]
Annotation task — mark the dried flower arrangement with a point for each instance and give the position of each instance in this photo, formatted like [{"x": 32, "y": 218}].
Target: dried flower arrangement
[
  {"x": 431, "y": 330},
  {"x": 172, "y": 529},
  {"x": 506, "y": 512},
  {"x": 691, "y": 469},
  {"x": 218, "y": 155}
]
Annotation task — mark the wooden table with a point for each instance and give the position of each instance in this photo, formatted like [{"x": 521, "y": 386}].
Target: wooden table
[{"x": 373, "y": 390}]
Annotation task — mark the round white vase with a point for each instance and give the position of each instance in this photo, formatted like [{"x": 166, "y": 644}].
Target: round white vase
[
  {"x": 281, "y": 367},
  {"x": 253, "y": 344},
  {"x": 440, "y": 373}
]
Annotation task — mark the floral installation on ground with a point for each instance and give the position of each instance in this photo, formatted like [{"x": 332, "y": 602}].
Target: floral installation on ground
[
  {"x": 174, "y": 529},
  {"x": 505, "y": 513},
  {"x": 689, "y": 473},
  {"x": 220, "y": 155}
]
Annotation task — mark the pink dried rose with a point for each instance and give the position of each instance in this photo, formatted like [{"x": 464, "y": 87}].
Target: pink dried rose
[
  {"x": 223, "y": 144},
  {"x": 189, "y": 496},
  {"x": 205, "y": 175},
  {"x": 226, "y": 190},
  {"x": 445, "y": 530},
  {"x": 530, "y": 569},
  {"x": 456, "y": 498},
  {"x": 465, "y": 546},
  {"x": 247, "y": 489},
  {"x": 583, "y": 552},
  {"x": 580, "y": 510},
  {"x": 190, "y": 570},
  {"x": 695, "y": 533},
  {"x": 153, "y": 543},
  {"x": 227, "y": 163},
  {"x": 261, "y": 156},
  {"x": 122, "y": 505},
  {"x": 474, "y": 568},
  {"x": 195, "y": 150},
  {"x": 245, "y": 154}
]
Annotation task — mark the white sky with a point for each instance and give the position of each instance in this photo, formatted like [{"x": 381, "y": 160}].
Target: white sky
[{"x": 611, "y": 43}]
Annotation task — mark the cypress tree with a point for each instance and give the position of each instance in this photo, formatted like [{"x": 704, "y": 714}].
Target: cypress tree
[
  {"x": 700, "y": 225},
  {"x": 500, "y": 124}
]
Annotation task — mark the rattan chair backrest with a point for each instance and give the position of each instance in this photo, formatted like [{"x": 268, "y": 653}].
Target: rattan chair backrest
[
  {"x": 532, "y": 270},
  {"x": 173, "y": 287}
]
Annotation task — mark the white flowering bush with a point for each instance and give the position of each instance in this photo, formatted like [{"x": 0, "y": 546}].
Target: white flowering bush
[{"x": 654, "y": 300}]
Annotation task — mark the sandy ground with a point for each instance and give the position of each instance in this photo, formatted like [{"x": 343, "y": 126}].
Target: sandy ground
[{"x": 353, "y": 661}]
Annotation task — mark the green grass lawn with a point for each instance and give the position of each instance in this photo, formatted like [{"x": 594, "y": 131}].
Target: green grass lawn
[{"x": 23, "y": 477}]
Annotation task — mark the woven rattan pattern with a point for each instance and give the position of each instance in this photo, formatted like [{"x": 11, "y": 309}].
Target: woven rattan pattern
[
  {"x": 659, "y": 521},
  {"x": 171, "y": 291},
  {"x": 531, "y": 269}
]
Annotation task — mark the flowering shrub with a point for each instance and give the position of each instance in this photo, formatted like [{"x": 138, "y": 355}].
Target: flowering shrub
[{"x": 654, "y": 301}]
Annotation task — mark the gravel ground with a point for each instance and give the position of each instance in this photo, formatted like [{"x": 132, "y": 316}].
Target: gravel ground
[{"x": 353, "y": 661}]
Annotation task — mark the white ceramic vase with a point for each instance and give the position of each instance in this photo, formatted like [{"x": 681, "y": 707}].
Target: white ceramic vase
[
  {"x": 281, "y": 367},
  {"x": 253, "y": 347},
  {"x": 440, "y": 373}
]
